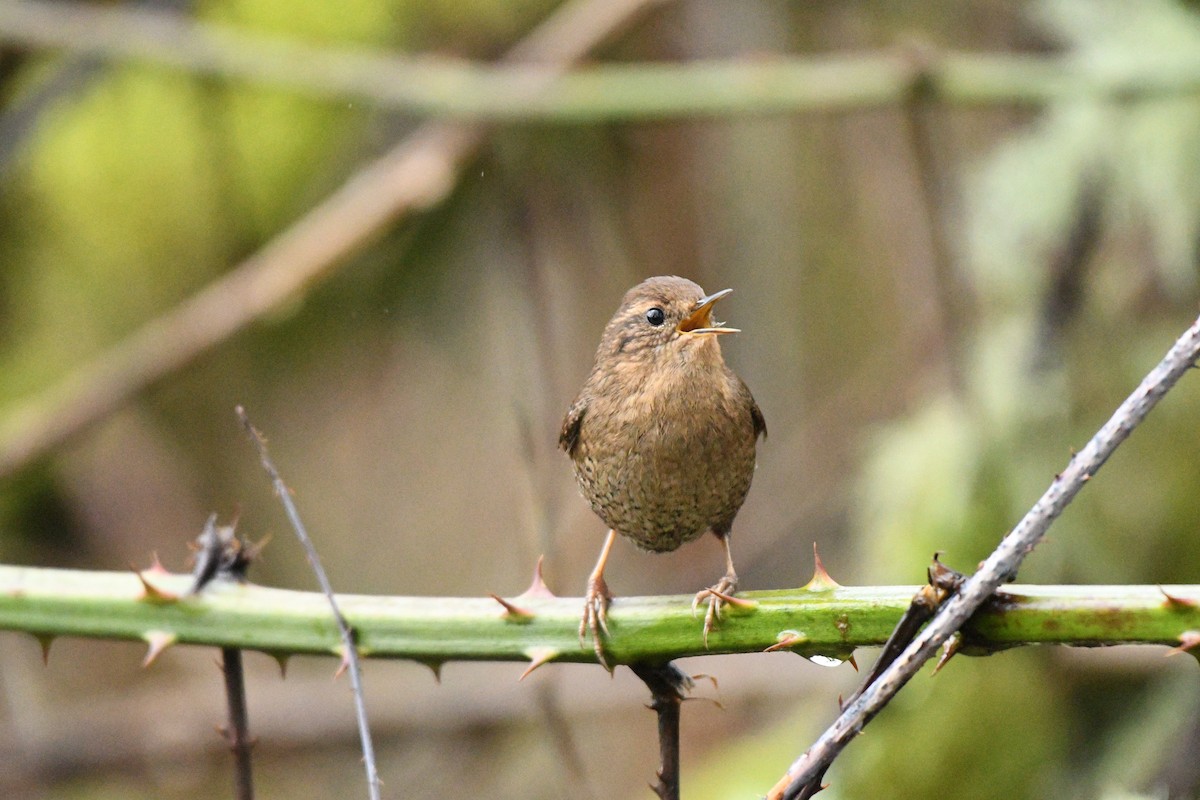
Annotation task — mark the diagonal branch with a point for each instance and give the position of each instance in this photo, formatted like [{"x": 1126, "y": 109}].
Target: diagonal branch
[
  {"x": 1000, "y": 567},
  {"x": 417, "y": 174},
  {"x": 350, "y": 660}
]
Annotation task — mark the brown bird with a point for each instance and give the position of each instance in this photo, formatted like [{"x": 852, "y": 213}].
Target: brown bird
[{"x": 662, "y": 435}]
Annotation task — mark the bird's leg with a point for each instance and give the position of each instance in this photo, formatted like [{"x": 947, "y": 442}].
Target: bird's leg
[
  {"x": 595, "y": 604},
  {"x": 719, "y": 593}
]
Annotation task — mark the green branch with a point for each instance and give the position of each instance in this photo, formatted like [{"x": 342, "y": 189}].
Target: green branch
[
  {"x": 514, "y": 92},
  {"x": 830, "y": 621}
]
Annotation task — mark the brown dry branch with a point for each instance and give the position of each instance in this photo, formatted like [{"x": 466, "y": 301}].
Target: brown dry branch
[
  {"x": 238, "y": 729},
  {"x": 668, "y": 686},
  {"x": 999, "y": 568},
  {"x": 415, "y": 175},
  {"x": 221, "y": 556}
]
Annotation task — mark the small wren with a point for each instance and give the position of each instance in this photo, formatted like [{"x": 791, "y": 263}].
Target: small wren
[{"x": 662, "y": 435}]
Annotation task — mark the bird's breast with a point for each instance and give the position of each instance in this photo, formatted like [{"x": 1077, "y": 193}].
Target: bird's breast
[{"x": 668, "y": 458}]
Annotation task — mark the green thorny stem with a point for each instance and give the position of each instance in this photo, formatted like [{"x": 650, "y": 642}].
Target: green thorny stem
[{"x": 536, "y": 627}]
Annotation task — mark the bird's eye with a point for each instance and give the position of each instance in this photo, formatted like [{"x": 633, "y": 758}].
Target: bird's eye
[{"x": 656, "y": 316}]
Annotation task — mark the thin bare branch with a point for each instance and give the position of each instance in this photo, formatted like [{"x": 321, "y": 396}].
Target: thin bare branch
[
  {"x": 668, "y": 686},
  {"x": 238, "y": 730},
  {"x": 222, "y": 556},
  {"x": 349, "y": 648},
  {"x": 1000, "y": 567}
]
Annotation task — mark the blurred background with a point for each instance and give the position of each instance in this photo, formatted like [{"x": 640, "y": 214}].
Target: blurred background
[{"x": 942, "y": 292}]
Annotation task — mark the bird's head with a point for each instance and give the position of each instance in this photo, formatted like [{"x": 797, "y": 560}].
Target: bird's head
[{"x": 661, "y": 318}]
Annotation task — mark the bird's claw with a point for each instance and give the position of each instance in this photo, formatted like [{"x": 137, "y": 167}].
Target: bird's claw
[
  {"x": 716, "y": 596},
  {"x": 595, "y": 617}
]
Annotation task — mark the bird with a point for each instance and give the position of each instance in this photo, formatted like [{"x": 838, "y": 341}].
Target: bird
[{"x": 662, "y": 436}]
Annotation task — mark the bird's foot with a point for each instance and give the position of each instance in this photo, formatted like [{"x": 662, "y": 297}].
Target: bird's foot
[
  {"x": 595, "y": 616},
  {"x": 718, "y": 595}
]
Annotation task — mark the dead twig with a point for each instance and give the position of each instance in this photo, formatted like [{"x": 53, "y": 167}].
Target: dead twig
[
  {"x": 238, "y": 731},
  {"x": 349, "y": 649},
  {"x": 943, "y": 582},
  {"x": 220, "y": 554},
  {"x": 1000, "y": 567},
  {"x": 667, "y": 685}
]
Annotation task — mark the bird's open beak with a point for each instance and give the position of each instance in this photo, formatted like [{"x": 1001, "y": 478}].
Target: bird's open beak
[{"x": 700, "y": 321}]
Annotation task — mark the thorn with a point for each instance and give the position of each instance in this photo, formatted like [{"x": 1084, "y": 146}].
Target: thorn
[
  {"x": 237, "y": 516},
  {"x": 150, "y": 592},
  {"x": 948, "y": 650},
  {"x": 156, "y": 566},
  {"x": 345, "y": 663},
  {"x": 282, "y": 660},
  {"x": 942, "y": 582},
  {"x": 786, "y": 640},
  {"x": 691, "y": 684},
  {"x": 45, "y": 641},
  {"x": 731, "y": 600},
  {"x": 1174, "y": 601},
  {"x": 537, "y": 657},
  {"x": 715, "y": 701},
  {"x": 841, "y": 703},
  {"x": 821, "y": 580},
  {"x": 436, "y": 668},
  {"x": 252, "y": 550},
  {"x": 538, "y": 587},
  {"x": 1187, "y": 640},
  {"x": 513, "y": 613},
  {"x": 853, "y": 663},
  {"x": 158, "y": 641}
]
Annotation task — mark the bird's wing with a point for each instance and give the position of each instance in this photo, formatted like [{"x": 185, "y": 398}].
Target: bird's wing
[
  {"x": 568, "y": 439},
  {"x": 756, "y": 416}
]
